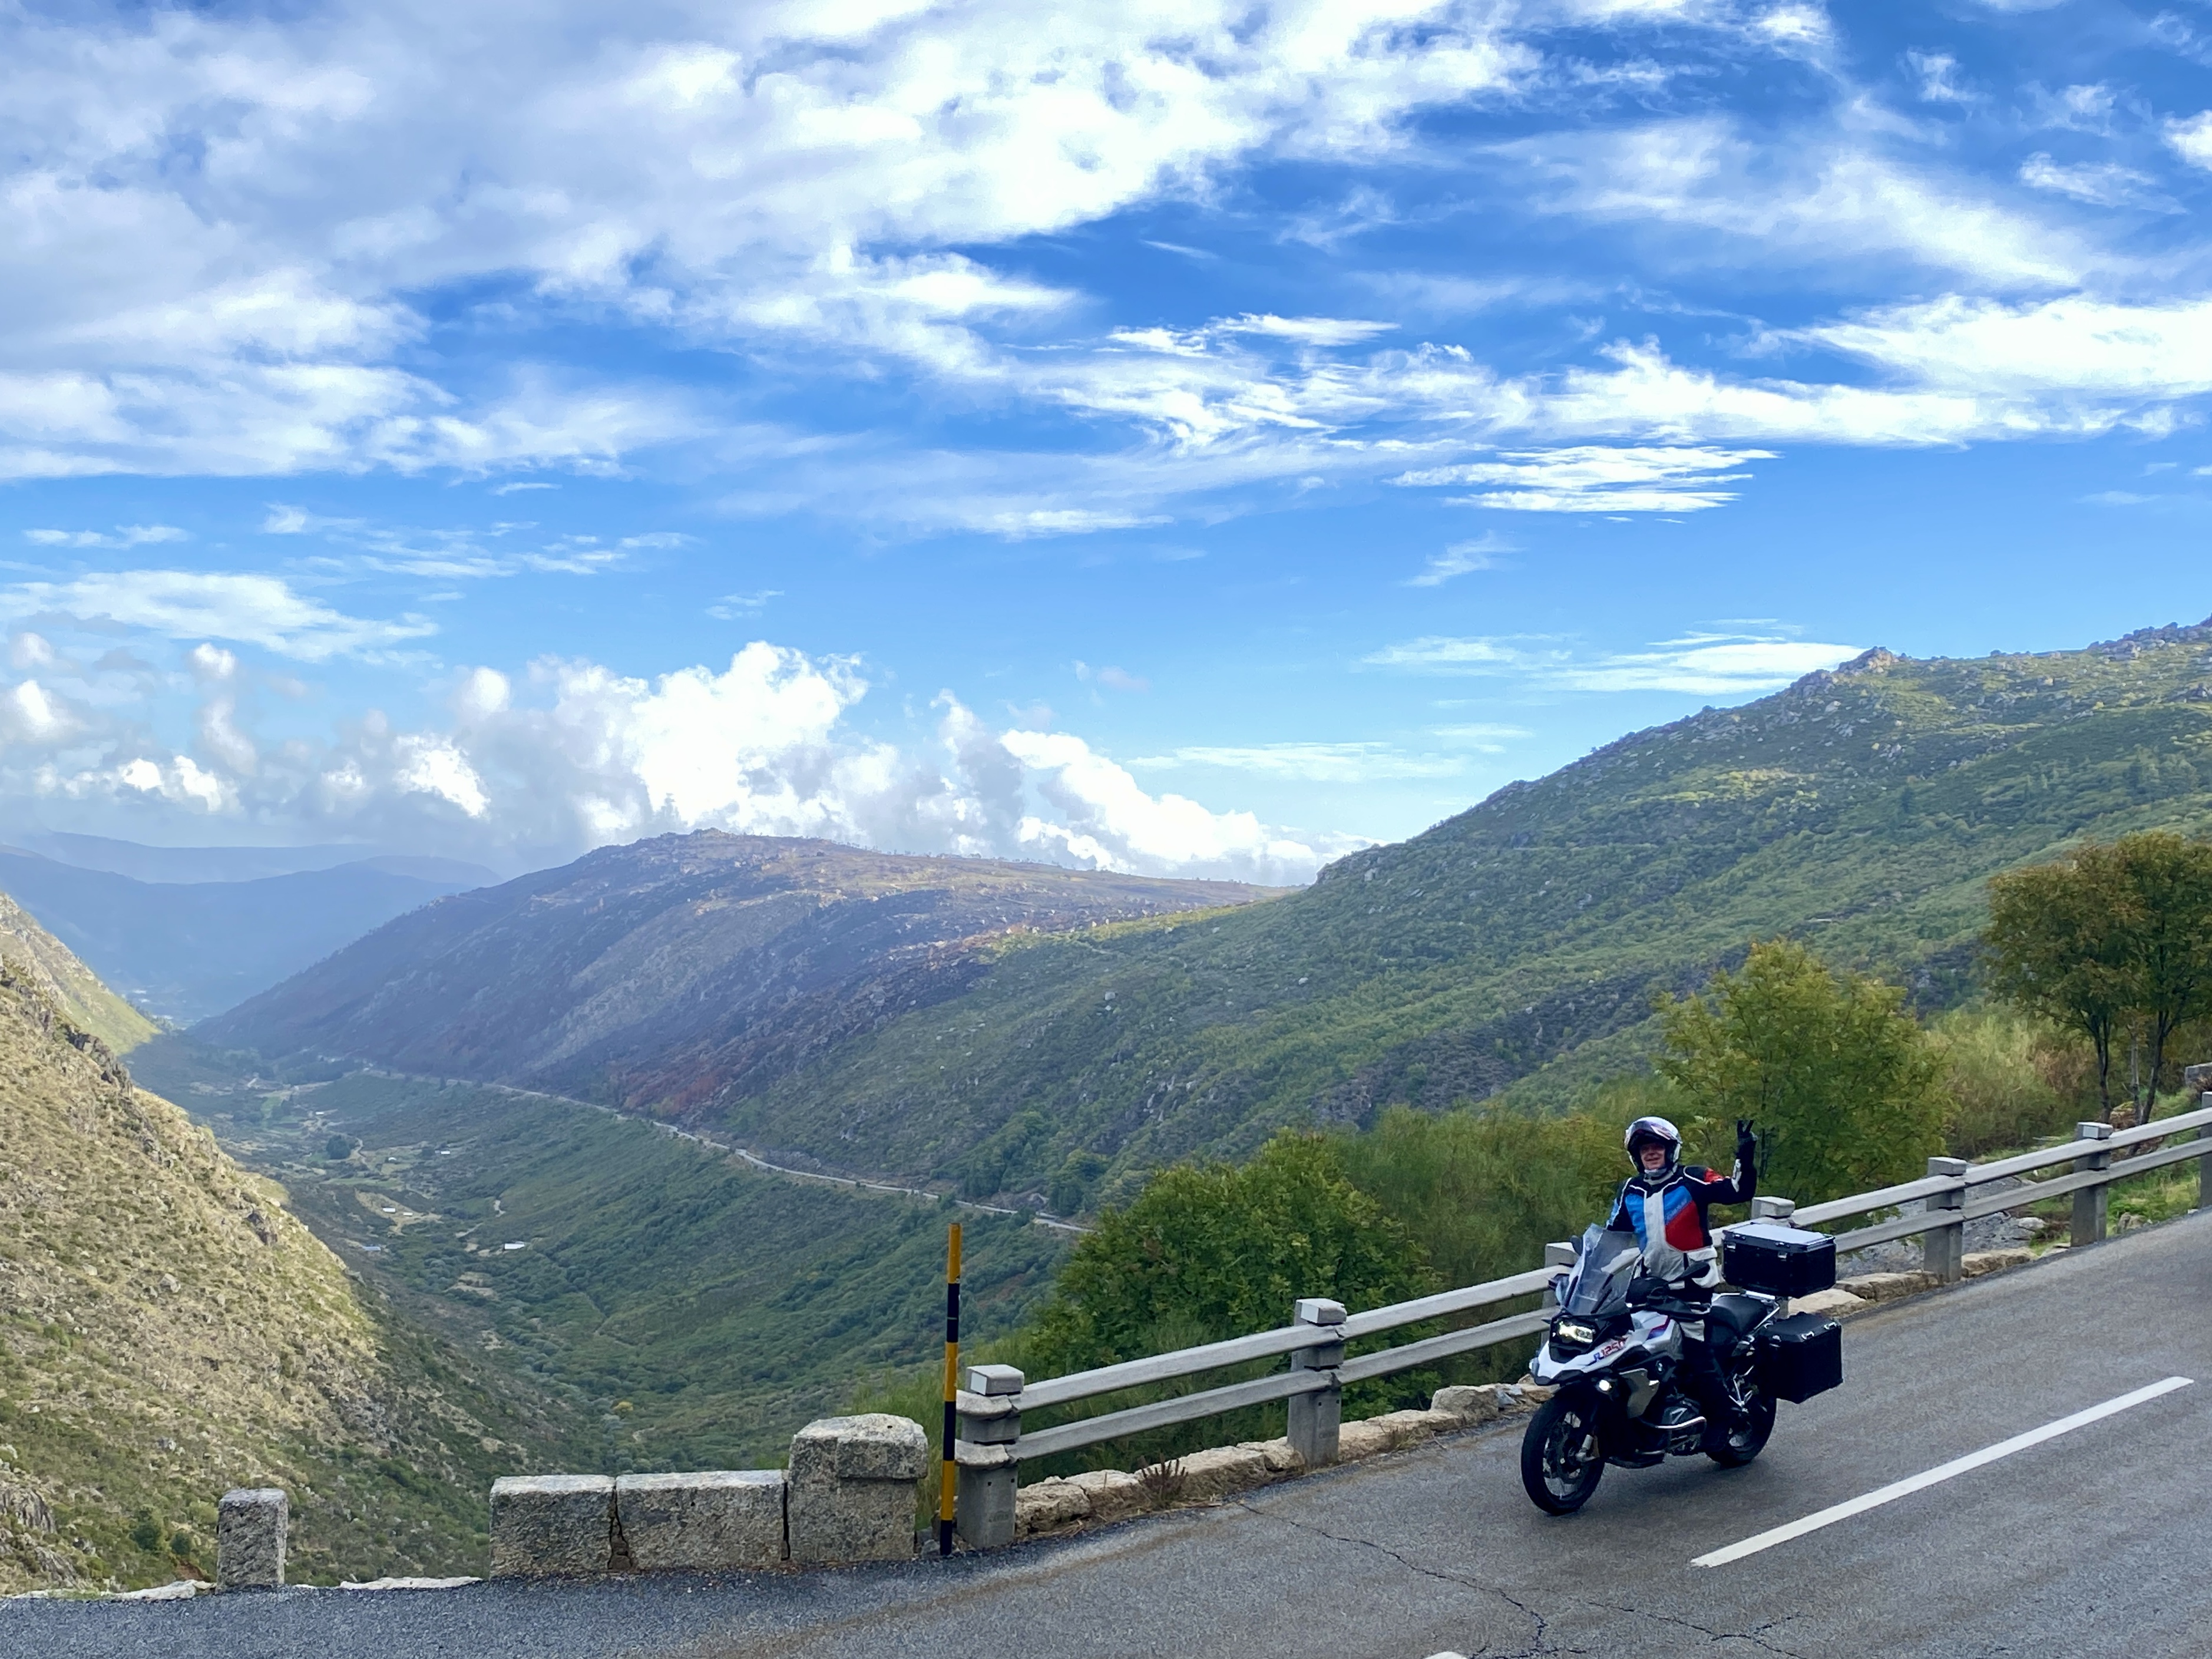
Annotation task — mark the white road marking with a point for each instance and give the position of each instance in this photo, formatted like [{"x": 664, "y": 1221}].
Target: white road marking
[{"x": 1766, "y": 1541}]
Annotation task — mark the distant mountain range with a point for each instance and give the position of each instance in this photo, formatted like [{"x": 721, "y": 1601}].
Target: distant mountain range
[
  {"x": 1512, "y": 950},
  {"x": 201, "y": 931},
  {"x": 657, "y": 975}
]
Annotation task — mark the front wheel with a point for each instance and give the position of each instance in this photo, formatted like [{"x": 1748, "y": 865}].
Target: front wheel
[
  {"x": 1758, "y": 1406},
  {"x": 1560, "y": 1457}
]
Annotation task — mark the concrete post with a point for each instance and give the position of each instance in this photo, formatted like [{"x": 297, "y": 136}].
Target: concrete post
[
  {"x": 2204, "y": 1164},
  {"x": 849, "y": 1495},
  {"x": 1773, "y": 1209},
  {"x": 1316, "y": 1418},
  {"x": 1560, "y": 1253},
  {"x": 249, "y": 1538},
  {"x": 989, "y": 1413},
  {"x": 2091, "y": 1203},
  {"x": 1944, "y": 1250}
]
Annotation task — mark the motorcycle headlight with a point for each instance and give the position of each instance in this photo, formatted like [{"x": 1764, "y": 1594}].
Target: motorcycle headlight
[{"x": 1573, "y": 1330}]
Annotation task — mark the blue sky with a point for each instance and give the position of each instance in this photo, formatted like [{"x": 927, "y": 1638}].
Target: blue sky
[{"x": 1186, "y": 438}]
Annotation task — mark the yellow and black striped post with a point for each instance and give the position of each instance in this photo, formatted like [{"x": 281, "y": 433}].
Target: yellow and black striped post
[{"x": 947, "y": 1477}]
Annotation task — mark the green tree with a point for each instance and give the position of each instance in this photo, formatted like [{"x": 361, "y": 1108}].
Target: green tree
[
  {"x": 2167, "y": 885},
  {"x": 2058, "y": 946},
  {"x": 1841, "y": 1080},
  {"x": 2110, "y": 941},
  {"x": 1211, "y": 1251}
]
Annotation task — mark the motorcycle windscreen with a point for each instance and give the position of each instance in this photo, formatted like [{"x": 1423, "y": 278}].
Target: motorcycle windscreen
[{"x": 1599, "y": 1285}]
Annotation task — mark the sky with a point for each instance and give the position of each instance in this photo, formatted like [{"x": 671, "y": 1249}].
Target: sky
[{"x": 1194, "y": 439}]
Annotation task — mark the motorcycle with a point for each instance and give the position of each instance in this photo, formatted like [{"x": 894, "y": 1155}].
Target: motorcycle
[{"x": 1614, "y": 1352}]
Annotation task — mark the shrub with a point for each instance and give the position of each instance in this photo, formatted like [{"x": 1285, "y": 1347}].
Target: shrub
[{"x": 1997, "y": 1082}]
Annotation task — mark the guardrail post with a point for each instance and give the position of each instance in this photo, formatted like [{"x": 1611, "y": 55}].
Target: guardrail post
[
  {"x": 1773, "y": 1209},
  {"x": 2091, "y": 1203},
  {"x": 1560, "y": 1255},
  {"x": 2204, "y": 1164},
  {"x": 1316, "y": 1418},
  {"x": 988, "y": 1415},
  {"x": 1944, "y": 1250}
]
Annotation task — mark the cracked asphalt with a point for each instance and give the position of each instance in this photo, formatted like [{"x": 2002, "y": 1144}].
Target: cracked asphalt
[{"x": 2090, "y": 1543}]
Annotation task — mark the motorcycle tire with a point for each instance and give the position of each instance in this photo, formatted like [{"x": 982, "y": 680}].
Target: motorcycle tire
[
  {"x": 1561, "y": 1458},
  {"x": 1746, "y": 1443}
]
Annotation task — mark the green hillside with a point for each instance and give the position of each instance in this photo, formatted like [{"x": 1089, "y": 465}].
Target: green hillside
[
  {"x": 169, "y": 1330},
  {"x": 695, "y": 1312},
  {"x": 1515, "y": 948}
]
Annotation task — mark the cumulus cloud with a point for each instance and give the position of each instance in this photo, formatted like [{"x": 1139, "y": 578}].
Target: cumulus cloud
[{"x": 573, "y": 756}]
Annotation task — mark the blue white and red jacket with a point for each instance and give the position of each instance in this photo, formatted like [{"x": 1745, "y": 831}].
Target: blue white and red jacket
[{"x": 1667, "y": 1212}]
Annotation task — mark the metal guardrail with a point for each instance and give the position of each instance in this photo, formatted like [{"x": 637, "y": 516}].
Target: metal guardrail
[{"x": 992, "y": 1445}]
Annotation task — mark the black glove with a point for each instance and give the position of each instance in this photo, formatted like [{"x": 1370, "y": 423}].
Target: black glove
[{"x": 1746, "y": 1145}]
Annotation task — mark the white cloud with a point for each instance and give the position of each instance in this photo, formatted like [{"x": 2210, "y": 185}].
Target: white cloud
[
  {"x": 2100, "y": 184},
  {"x": 1594, "y": 479},
  {"x": 1708, "y": 666},
  {"x": 1310, "y": 763},
  {"x": 1938, "y": 72},
  {"x": 129, "y": 535},
  {"x": 2192, "y": 139},
  {"x": 254, "y": 609},
  {"x": 1461, "y": 559}
]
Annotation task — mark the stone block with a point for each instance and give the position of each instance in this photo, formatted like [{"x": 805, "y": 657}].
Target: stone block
[
  {"x": 851, "y": 1491},
  {"x": 1411, "y": 1428},
  {"x": 249, "y": 1538},
  {"x": 1888, "y": 1287},
  {"x": 1357, "y": 1440},
  {"x": 1835, "y": 1304},
  {"x": 1219, "y": 1471},
  {"x": 552, "y": 1525},
  {"x": 1113, "y": 1494},
  {"x": 1051, "y": 1504},
  {"x": 703, "y": 1522},
  {"x": 1469, "y": 1405},
  {"x": 1280, "y": 1455}
]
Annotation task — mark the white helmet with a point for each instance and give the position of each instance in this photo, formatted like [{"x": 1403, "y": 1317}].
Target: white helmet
[{"x": 1653, "y": 1128}]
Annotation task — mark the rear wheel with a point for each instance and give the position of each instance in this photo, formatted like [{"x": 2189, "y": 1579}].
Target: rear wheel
[
  {"x": 1758, "y": 1408},
  {"x": 1560, "y": 1457}
]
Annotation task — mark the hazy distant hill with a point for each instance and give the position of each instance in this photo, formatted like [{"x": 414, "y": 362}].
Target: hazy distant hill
[
  {"x": 184, "y": 949},
  {"x": 656, "y": 975},
  {"x": 144, "y": 863},
  {"x": 1512, "y": 948}
]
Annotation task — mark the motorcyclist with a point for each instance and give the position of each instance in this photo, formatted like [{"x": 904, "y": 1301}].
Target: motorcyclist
[{"x": 1665, "y": 1203}]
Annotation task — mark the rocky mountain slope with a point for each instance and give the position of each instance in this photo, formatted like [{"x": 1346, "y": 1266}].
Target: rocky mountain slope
[
  {"x": 181, "y": 950},
  {"x": 169, "y": 1330},
  {"x": 37, "y": 958},
  {"x": 662, "y": 974},
  {"x": 1512, "y": 950}
]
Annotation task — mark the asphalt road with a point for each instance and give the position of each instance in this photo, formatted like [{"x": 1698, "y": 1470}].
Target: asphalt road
[{"x": 2096, "y": 1541}]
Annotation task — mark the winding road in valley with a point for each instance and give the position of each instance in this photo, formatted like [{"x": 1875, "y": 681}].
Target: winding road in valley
[{"x": 2087, "y": 1534}]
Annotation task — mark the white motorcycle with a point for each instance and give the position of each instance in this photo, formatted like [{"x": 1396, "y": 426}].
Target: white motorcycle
[{"x": 1615, "y": 1360}]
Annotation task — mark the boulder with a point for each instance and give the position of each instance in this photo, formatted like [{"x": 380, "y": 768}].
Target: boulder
[
  {"x": 1221, "y": 1470},
  {"x": 701, "y": 1522},
  {"x": 850, "y": 1492},
  {"x": 249, "y": 1538},
  {"x": 1411, "y": 1428},
  {"x": 1051, "y": 1504},
  {"x": 1989, "y": 1261},
  {"x": 547, "y": 1525}
]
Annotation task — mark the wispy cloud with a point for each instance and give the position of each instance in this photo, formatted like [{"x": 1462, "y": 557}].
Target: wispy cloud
[
  {"x": 1701, "y": 665},
  {"x": 1310, "y": 763},
  {"x": 183, "y": 604},
  {"x": 1591, "y": 479},
  {"x": 129, "y": 535},
  {"x": 1461, "y": 559}
]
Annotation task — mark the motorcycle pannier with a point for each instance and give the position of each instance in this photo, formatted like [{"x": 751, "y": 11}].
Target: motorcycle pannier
[
  {"x": 1801, "y": 1356},
  {"x": 1778, "y": 1260}
]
